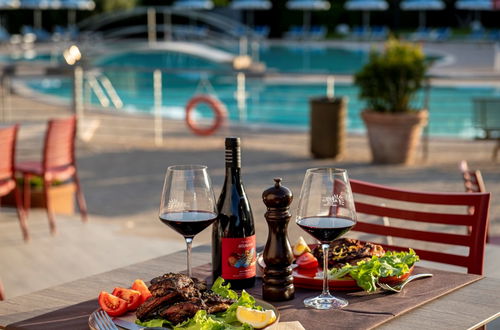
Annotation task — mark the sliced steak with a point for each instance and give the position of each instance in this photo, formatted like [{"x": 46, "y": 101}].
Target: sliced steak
[
  {"x": 149, "y": 308},
  {"x": 161, "y": 285},
  {"x": 215, "y": 303},
  {"x": 181, "y": 311}
]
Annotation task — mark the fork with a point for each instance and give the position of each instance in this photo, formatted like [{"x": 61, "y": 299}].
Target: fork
[
  {"x": 400, "y": 286},
  {"x": 104, "y": 322}
]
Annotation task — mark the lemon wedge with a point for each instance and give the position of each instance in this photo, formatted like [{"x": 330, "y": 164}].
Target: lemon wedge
[
  {"x": 257, "y": 319},
  {"x": 300, "y": 247}
]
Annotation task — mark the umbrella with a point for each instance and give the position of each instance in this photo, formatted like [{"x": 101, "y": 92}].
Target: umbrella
[
  {"x": 366, "y": 6},
  {"x": 73, "y": 5},
  {"x": 38, "y": 6},
  {"x": 307, "y": 6},
  {"x": 193, "y": 4},
  {"x": 9, "y": 4},
  {"x": 250, "y": 6},
  {"x": 476, "y": 5},
  {"x": 422, "y": 6}
]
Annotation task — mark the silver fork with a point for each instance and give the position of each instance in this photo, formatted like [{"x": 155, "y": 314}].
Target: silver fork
[
  {"x": 104, "y": 322},
  {"x": 400, "y": 286}
]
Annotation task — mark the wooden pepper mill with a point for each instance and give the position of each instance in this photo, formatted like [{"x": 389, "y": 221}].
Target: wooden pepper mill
[{"x": 278, "y": 256}]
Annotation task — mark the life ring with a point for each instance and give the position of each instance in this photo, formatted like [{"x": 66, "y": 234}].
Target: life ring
[{"x": 218, "y": 108}]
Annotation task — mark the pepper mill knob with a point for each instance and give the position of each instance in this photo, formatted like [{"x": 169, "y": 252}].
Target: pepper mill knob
[{"x": 278, "y": 256}]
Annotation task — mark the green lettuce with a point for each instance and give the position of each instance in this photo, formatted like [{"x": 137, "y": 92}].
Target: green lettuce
[
  {"x": 204, "y": 321},
  {"x": 367, "y": 272},
  {"x": 224, "y": 290}
]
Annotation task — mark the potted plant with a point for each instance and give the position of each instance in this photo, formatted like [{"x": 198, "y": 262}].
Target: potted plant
[
  {"x": 61, "y": 195},
  {"x": 388, "y": 83}
]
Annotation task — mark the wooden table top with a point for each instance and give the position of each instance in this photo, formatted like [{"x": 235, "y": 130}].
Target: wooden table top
[{"x": 466, "y": 308}]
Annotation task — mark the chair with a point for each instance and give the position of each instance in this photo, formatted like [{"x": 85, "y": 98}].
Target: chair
[
  {"x": 398, "y": 201},
  {"x": 2, "y": 291},
  {"x": 58, "y": 164},
  {"x": 8, "y": 183},
  {"x": 473, "y": 182}
]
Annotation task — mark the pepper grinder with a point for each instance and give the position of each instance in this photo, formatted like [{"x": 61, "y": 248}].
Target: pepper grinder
[{"x": 278, "y": 256}]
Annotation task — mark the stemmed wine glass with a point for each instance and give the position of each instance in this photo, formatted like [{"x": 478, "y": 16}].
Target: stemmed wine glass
[
  {"x": 188, "y": 202},
  {"x": 326, "y": 211}
]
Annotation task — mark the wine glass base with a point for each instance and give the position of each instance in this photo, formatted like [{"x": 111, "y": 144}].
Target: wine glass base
[{"x": 325, "y": 301}]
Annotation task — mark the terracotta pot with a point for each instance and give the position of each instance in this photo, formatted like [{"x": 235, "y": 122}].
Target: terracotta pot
[
  {"x": 328, "y": 127},
  {"x": 61, "y": 198},
  {"x": 394, "y": 137}
]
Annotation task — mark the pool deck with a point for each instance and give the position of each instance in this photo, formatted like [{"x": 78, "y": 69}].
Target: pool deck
[{"x": 122, "y": 173}]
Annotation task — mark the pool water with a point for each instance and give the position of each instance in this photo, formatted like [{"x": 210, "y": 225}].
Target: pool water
[{"x": 284, "y": 103}]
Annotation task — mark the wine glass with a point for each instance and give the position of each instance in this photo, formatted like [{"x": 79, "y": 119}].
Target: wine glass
[
  {"x": 326, "y": 211},
  {"x": 188, "y": 202}
]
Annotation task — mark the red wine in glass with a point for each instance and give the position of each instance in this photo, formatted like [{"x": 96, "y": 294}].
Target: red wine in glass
[
  {"x": 326, "y": 228},
  {"x": 188, "y": 223}
]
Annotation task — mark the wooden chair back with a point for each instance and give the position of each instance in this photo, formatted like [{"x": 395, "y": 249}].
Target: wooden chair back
[
  {"x": 418, "y": 220},
  {"x": 59, "y": 146},
  {"x": 7, "y": 151}
]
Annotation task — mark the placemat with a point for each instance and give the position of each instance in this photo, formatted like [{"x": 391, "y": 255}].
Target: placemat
[{"x": 365, "y": 311}]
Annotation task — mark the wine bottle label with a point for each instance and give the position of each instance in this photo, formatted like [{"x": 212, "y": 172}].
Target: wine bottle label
[{"x": 238, "y": 258}]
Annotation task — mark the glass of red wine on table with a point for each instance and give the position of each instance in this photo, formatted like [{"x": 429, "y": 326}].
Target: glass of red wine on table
[
  {"x": 188, "y": 202},
  {"x": 326, "y": 211}
]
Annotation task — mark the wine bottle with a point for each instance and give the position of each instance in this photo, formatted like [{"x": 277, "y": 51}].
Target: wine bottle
[{"x": 233, "y": 235}]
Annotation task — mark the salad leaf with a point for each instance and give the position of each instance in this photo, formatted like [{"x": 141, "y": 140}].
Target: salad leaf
[
  {"x": 224, "y": 290},
  {"x": 367, "y": 272},
  {"x": 155, "y": 323},
  {"x": 245, "y": 300}
]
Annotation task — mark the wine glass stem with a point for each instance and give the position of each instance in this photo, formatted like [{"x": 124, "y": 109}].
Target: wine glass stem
[
  {"x": 325, "y": 248},
  {"x": 189, "y": 243}
]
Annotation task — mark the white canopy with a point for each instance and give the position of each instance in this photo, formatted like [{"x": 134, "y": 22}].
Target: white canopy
[
  {"x": 194, "y": 4},
  {"x": 251, "y": 5},
  {"x": 422, "y": 5},
  {"x": 474, "y": 4},
  {"x": 308, "y": 5},
  {"x": 369, "y": 5}
]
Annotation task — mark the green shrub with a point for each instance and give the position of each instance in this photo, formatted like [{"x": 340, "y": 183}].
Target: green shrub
[{"x": 390, "y": 79}]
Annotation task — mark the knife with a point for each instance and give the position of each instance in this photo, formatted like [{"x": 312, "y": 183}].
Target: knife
[{"x": 132, "y": 326}]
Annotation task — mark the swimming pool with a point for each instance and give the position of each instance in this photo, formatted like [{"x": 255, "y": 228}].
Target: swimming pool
[{"x": 283, "y": 102}]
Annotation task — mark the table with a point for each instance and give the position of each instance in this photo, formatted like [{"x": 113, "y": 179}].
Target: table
[{"x": 467, "y": 308}]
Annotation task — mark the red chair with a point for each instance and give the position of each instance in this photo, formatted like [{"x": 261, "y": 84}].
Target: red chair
[
  {"x": 58, "y": 164},
  {"x": 8, "y": 182},
  {"x": 423, "y": 211},
  {"x": 2, "y": 293},
  {"x": 473, "y": 182}
]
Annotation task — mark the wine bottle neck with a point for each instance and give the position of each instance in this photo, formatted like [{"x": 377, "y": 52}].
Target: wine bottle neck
[{"x": 233, "y": 158}]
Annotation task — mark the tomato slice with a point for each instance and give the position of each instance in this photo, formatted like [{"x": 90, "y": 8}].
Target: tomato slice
[
  {"x": 112, "y": 305},
  {"x": 140, "y": 286},
  {"x": 132, "y": 297},
  {"x": 307, "y": 260}
]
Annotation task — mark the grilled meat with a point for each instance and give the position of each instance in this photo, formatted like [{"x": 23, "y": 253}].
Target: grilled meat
[
  {"x": 161, "y": 285},
  {"x": 148, "y": 310},
  {"x": 176, "y": 297},
  {"x": 181, "y": 311},
  {"x": 347, "y": 250},
  {"x": 214, "y": 302}
]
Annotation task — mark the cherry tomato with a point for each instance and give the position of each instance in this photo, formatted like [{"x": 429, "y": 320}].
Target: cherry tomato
[
  {"x": 132, "y": 297},
  {"x": 112, "y": 305},
  {"x": 307, "y": 260},
  {"x": 140, "y": 286}
]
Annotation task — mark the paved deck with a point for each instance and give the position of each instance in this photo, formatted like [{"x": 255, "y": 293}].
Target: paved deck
[{"x": 122, "y": 175}]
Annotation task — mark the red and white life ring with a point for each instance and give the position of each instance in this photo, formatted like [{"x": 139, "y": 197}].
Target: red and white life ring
[{"x": 218, "y": 108}]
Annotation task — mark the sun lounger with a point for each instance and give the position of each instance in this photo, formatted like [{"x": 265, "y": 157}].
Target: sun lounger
[
  {"x": 379, "y": 32},
  {"x": 360, "y": 32}
]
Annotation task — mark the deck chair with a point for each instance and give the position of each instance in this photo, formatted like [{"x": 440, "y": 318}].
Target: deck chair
[
  {"x": 414, "y": 210},
  {"x": 8, "y": 183},
  {"x": 473, "y": 182},
  {"x": 58, "y": 164}
]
